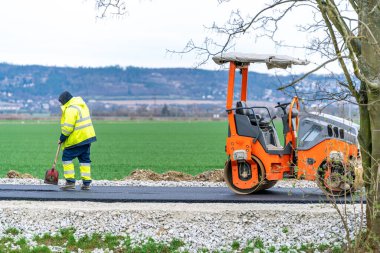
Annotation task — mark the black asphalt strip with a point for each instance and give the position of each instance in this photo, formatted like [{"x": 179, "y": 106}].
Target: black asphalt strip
[{"x": 166, "y": 194}]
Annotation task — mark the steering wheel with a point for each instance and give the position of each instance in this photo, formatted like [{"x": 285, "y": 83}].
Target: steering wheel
[{"x": 282, "y": 105}]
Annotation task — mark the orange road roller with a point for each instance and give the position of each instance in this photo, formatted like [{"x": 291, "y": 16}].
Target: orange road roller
[{"x": 316, "y": 147}]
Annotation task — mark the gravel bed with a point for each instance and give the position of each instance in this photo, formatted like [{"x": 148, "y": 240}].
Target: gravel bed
[
  {"x": 283, "y": 183},
  {"x": 214, "y": 226}
]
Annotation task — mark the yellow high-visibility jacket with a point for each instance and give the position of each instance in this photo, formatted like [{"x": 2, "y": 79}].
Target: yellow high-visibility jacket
[{"x": 76, "y": 123}]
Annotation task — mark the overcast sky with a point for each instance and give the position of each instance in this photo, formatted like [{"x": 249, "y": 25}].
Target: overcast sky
[{"x": 67, "y": 32}]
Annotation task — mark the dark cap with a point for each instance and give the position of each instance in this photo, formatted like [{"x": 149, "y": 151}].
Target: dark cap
[{"x": 65, "y": 97}]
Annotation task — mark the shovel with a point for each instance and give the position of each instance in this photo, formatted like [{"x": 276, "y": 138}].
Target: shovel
[{"x": 52, "y": 175}]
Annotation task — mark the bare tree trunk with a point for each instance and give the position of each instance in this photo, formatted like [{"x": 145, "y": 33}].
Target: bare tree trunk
[
  {"x": 365, "y": 146},
  {"x": 369, "y": 17},
  {"x": 372, "y": 173}
]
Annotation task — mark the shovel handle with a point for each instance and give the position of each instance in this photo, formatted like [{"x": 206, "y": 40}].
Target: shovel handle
[{"x": 56, "y": 155}]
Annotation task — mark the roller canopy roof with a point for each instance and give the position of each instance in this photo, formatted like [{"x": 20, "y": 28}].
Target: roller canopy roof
[{"x": 271, "y": 60}]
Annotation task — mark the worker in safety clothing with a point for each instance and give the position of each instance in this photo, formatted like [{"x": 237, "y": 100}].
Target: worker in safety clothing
[{"x": 77, "y": 134}]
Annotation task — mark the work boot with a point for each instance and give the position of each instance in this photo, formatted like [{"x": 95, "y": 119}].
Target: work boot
[
  {"x": 68, "y": 186},
  {"x": 85, "y": 187}
]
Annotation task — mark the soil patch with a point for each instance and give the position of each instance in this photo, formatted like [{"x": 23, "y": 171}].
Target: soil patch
[
  {"x": 209, "y": 176},
  {"x": 16, "y": 174}
]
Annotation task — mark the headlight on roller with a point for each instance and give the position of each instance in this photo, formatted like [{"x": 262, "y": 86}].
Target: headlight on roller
[{"x": 240, "y": 155}]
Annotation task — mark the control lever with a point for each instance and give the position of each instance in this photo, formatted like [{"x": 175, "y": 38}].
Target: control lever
[{"x": 272, "y": 118}]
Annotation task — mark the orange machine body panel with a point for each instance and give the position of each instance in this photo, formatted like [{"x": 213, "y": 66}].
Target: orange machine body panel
[
  {"x": 242, "y": 143},
  {"x": 310, "y": 160},
  {"x": 275, "y": 165}
]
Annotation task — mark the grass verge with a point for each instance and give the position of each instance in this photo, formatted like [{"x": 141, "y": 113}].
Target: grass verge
[{"x": 66, "y": 241}]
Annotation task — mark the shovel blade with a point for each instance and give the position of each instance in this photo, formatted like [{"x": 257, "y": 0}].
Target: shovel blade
[{"x": 51, "y": 176}]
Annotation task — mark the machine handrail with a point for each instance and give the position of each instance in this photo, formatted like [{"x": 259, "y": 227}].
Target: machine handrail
[
  {"x": 251, "y": 108},
  {"x": 292, "y": 128}
]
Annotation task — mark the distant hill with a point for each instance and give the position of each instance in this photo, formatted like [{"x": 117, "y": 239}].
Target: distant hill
[{"x": 39, "y": 82}]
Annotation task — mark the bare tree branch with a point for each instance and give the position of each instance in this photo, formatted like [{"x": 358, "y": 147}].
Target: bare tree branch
[
  {"x": 112, "y": 7},
  {"x": 237, "y": 27},
  {"x": 331, "y": 9},
  {"x": 354, "y": 5},
  {"x": 338, "y": 52},
  {"x": 353, "y": 45},
  {"x": 309, "y": 73},
  {"x": 372, "y": 36},
  {"x": 377, "y": 6}
]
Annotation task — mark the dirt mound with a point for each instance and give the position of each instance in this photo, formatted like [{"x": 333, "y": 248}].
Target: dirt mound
[
  {"x": 209, "y": 176},
  {"x": 167, "y": 176},
  {"x": 16, "y": 174},
  {"x": 143, "y": 175},
  {"x": 176, "y": 176}
]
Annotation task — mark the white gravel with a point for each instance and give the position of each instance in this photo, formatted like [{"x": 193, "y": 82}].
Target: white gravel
[
  {"x": 214, "y": 226},
  {"x": 284, "y": 183}
]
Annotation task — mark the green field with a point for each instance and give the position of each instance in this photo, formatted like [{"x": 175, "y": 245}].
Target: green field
[{"x": 122, "y": 146}]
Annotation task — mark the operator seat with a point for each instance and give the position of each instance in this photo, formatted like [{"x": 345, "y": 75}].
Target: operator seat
[
  {"x": 253, "y": 117},
  {"x": 240, "y": 105},
  {"x": 269, "y": 135}
]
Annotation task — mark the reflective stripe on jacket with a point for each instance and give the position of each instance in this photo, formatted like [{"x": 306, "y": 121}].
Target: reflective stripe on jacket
[{"x": 76, "y": 123}]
